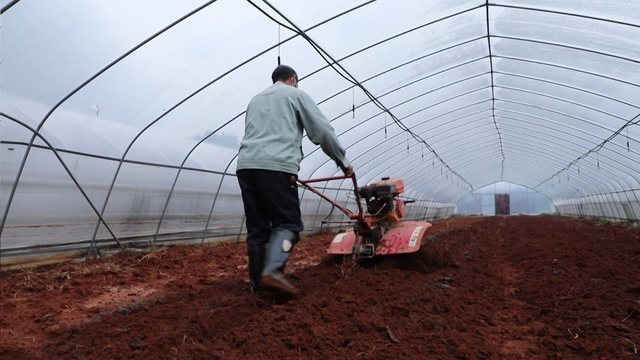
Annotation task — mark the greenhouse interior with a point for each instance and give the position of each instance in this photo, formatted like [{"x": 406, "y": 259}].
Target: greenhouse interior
[{"x": 122, "y": 121}]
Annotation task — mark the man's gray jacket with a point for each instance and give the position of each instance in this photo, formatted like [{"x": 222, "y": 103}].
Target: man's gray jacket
[{"x": 273, "y": 131}]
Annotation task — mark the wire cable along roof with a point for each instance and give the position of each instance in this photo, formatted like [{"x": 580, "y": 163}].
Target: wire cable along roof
[{"x": 123, "y": 119}]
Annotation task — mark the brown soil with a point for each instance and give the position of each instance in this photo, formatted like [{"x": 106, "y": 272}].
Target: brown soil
[{"x": 515, "y": 287}]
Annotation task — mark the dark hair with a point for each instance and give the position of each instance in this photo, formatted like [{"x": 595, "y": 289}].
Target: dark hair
[{"x": 282, "y": 73}]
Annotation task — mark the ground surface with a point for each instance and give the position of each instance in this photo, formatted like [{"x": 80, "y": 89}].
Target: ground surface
[{"x": 493, "y": 288}]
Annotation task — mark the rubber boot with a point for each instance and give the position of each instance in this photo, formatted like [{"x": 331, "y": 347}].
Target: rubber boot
[
  {"x": 280, "y": 246},
  {"x": 256, "y": 254}
]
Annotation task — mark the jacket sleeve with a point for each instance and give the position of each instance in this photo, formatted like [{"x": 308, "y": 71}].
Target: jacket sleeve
[{"x": 319, "y": 130}]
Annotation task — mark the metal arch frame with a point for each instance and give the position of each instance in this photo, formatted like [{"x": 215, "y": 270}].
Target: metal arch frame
[
  {"x": 398, "y": 35},
  {"x": 400, "y": 133},
  {"x": 399, "y": 162},
  {"x": 592, "y": 174},
  {"x": 550, "y": 120},
  {"x": 559, "y": 130},
  {"x": 231, "y": 161},
  {"x": 618, "y": 57},
  {"x": 571, "y": 69},
  {"x": 179, "y": 103},
  {"x": 523, "y": 39},
  {"x": 8, "y": 6},
  {"x": 440, "y": 180},
  {"x": 504, "y": 73},
  {"x": 175, "y": 181},
  {"x": 66, "y": 151},
  {"x": 487, "y": 5},
  {"x": 175, "y": 106},
  {"x": 557, "y": 99},
  {"x": 374, "y": 132},
  {"x": 547, "y": 109},
  {"x": 534, "y": 139},
  {"x": 378, "y": 114},
  {"x": 552, "y": 65},
  {"x": 522, "y": 60},
  {"x": 481, "y": 163},
  {"x": 402, "y": 150},
  {"x": 633, "y": 121},
  {"x": 378, "y": 103},
  {"x": 493, "y": 93},
  {"x": 404, "y": 85},
  {"x": 76, "y": 90},
  {"x": 588, "y": 170},
  {"x": 407, "y": 195},
  {"x": 401, "y": 103},
  {"x": 578, "y": 70},
  {"x": 553, "y": 145},
  {"x": 555, "y": 12},
  {"x": 563, "y": 100},
  {"x": 565, "y": 188},
  {"x": 568, "y": 189},
  {"x": 66, "y": 168},
  {"x": 441, "y": 196}
]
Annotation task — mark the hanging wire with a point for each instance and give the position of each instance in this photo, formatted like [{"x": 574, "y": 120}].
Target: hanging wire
[
  {"x": 407, "y": 143},
  {"x": 353, "y": 108},
  {"x": 628, "y": 148},
  {"x": 278, "y": 44},
  {"x": 598, "y": 160},
  {"x": 422, "y": 152},
  {"x": 385, "y": 125}
]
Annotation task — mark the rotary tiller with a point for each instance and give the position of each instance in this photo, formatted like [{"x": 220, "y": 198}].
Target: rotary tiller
[{"x": 378, "y": 231}]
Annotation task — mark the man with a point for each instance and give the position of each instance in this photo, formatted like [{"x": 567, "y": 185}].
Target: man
[{"x": 268, "y": 164}]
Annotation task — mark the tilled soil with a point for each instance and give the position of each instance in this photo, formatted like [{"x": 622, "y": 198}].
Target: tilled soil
[{"x": 532, "y": 287}]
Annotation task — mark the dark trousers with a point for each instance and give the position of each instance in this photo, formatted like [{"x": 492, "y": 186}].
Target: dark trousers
[{"x": 270, "y": 202}]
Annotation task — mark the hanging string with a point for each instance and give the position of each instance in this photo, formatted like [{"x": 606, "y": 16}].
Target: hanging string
[
  {"x": 578, "y": 167},
  {"x": 598, "y": 160},
  {"x": 278, "y": 44},
  {"x": 407, "y": 142},
  {"x": 422, "y": 151},
  {"x": 353, "y": 109},
  {"x": 628, "y": 148},
  {"x": 385, "y": 125},
  {"x": 433, "y": 162}
]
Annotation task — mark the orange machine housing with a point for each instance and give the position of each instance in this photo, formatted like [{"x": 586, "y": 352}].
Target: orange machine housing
[{"x": 397, "y": 182}]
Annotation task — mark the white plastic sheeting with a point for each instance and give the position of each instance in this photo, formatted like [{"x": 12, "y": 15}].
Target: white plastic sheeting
[{"x": 122, "y": 119}]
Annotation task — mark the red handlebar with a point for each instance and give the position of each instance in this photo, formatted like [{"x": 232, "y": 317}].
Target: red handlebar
[{"x": 351, "y": 215}]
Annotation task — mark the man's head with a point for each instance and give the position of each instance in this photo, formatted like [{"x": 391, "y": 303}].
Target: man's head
[{"x": 285, "y": 74}]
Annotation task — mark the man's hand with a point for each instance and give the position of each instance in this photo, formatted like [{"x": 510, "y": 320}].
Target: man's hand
[{"x": 349, "y": 171}]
